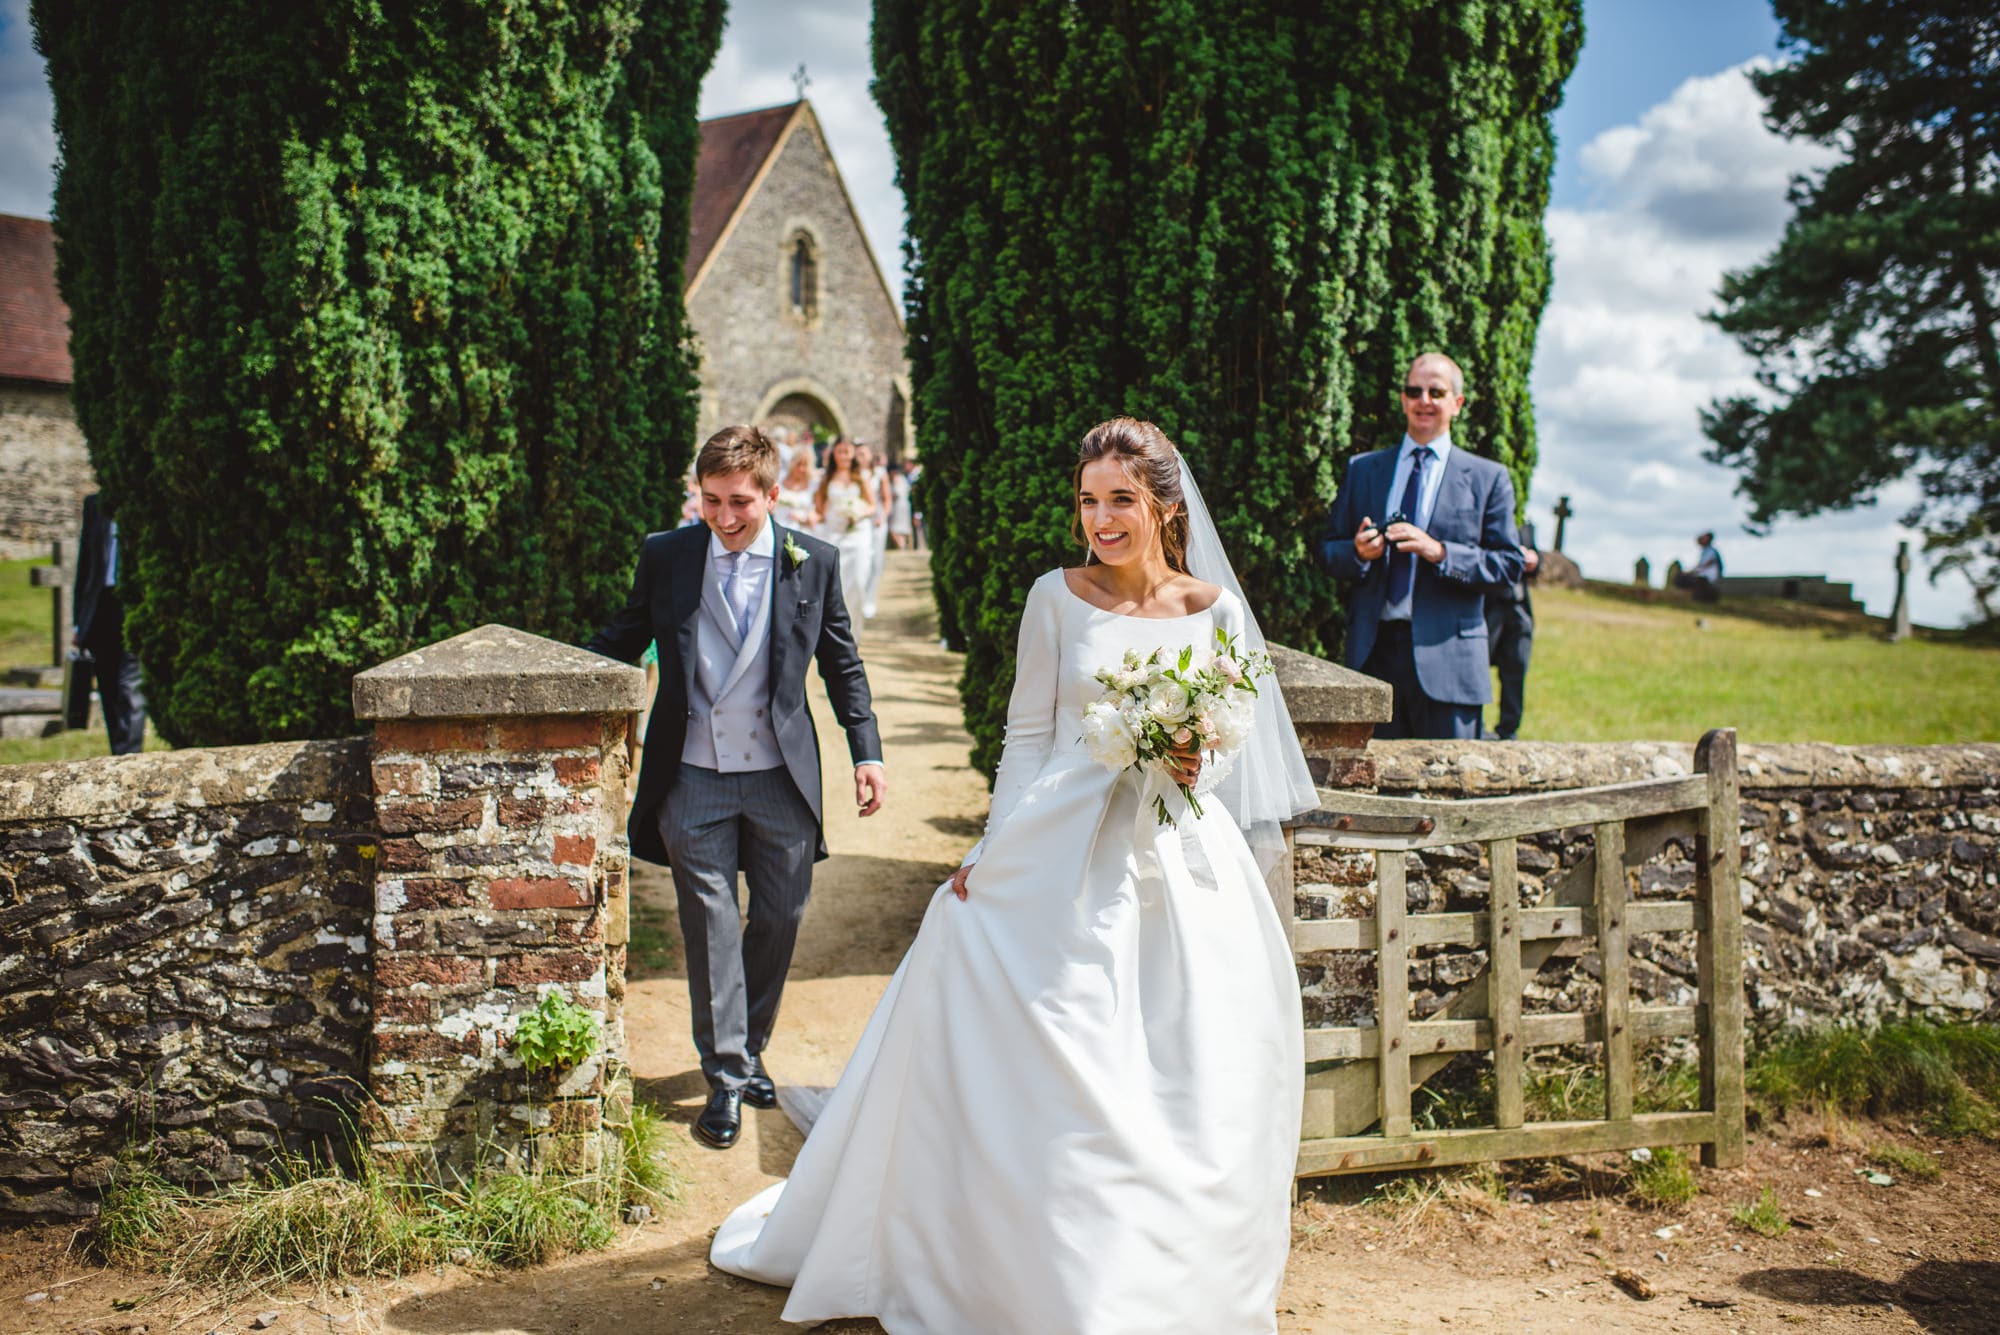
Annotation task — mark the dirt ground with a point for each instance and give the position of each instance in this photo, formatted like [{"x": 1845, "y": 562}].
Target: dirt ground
[{"x": 1858, "y": 1257}]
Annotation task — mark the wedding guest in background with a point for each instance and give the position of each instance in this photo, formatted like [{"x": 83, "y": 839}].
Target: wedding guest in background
[
  {"x": 919, "y": 539},
  {"x": 878, "y": 548},
  {"x": 846, "y": 518},
  {"x": 690, "y": 501},
  {"x": 1510, "y": 636},
  {"x": 97, "y": 629},
  {"x": 899, "y": 507},
  {"x": 1424, "y": 531},
  {"x": 796, "y": 502},
  {"x": 1705, "y": 580}
]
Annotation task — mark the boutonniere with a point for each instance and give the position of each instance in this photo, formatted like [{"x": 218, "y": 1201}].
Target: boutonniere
[{"x": 794, "y": 553}]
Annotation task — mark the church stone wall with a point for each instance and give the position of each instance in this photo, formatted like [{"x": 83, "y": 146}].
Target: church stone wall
[
  {"x": 44, "y": 469},
  {"x": 752, "y": 341}
]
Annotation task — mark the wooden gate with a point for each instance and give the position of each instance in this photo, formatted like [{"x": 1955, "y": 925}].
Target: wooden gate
[{"x": 1374, "y": 1070}]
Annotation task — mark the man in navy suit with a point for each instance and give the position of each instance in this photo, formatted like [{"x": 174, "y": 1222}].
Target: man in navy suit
[
  {"x": 1426, "y": 531},
  {"x": 730, "y": 779}
]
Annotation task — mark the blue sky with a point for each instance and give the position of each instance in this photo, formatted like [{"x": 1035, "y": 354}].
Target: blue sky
[{"x": 1665, "y": 178}]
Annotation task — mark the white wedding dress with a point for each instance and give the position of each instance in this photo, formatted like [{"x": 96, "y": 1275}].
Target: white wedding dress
[
  {"x": 855, "y": 541},
  {"x": 1075, "y": 1110}
]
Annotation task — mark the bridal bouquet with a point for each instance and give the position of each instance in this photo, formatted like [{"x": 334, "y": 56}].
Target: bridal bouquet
[
  {"x": 854, "y": 511},
  {"x": 1154, "y": 705}
]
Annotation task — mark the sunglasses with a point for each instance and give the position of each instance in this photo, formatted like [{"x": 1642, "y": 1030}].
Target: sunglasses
[{"x": 1438, "y": 393}]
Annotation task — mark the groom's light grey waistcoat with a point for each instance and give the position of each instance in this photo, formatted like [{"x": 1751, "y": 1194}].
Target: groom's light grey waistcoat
[{"x": 729, "y": 708}]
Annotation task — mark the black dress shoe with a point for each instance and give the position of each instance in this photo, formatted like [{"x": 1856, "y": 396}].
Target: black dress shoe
[
  {"x": 759, "y": 1091},
  {"x": 720, "y": 1120}
]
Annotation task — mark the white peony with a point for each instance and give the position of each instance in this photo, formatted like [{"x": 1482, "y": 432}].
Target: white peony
[
  {"x": 1108, "y": 737},
  {"x": 1168, "y": 702},
  {"x": 1233, "y": 719}
]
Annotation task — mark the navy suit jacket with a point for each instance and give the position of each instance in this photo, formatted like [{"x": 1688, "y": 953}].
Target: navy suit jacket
[
  {"x": 808, "y": 624},
  {"x": 1474, "y": 519}
]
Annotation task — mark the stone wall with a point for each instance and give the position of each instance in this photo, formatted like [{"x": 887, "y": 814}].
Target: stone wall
[
  {"x": 44, "y": 469},
  {"x": 849, "y": 354},
  {"x": 183, "y": 959},
  {"x": 1870, "y": 883}
]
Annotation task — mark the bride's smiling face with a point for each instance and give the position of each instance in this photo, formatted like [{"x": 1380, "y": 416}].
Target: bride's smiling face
[{"x": 1116, "y": 514}]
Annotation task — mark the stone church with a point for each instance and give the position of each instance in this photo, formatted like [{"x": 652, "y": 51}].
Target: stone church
[
  {"x": 44, "y": 471},
  {"x": 793, "y": 315}
]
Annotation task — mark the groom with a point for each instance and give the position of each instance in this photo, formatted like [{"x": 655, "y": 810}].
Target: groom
[{"x": 730, "y": 778}]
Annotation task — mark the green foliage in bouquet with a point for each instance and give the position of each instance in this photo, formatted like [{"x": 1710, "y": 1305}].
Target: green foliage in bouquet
[
  {"x": 1241, "y": 228},
  {"x": 376, "y": 320}
]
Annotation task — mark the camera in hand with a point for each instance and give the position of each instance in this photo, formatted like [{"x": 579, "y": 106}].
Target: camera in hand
[{"x": 1395, "y": 517}]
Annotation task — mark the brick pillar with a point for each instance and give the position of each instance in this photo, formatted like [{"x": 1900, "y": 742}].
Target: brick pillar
[
  {"x": 499, "y": 776},
  {"x": 1334, "y": 711}
]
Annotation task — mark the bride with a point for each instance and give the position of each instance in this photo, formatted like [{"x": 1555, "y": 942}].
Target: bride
[{"x": 1075, "y": 1110}]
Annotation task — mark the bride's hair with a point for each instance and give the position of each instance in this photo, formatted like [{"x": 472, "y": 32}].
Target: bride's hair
[{"x": 1153, "y": 465}]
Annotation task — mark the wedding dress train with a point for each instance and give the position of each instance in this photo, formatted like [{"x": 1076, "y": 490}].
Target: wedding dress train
[{"x": 1075, "y": 1110}]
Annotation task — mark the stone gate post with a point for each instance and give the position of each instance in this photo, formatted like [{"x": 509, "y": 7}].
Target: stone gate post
[
  {"x": 499, "y": 779},
  {"x": 1334, "y": 710}
]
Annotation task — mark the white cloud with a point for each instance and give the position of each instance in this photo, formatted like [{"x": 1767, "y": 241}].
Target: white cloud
[
  {"x": 27, "y": 119},
  {"x": 1625, "y": 362}
]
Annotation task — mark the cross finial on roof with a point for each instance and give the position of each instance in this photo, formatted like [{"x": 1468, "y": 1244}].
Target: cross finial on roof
[{"x": 800, "y": 81}]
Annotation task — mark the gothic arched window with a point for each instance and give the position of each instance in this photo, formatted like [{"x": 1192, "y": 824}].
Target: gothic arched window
[{"x": 805, "y": 277}]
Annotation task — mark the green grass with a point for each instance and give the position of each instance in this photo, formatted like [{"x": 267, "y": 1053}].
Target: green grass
[
  {"x": 24, "y": 617},
  {"x": 1606, "y": 669},
  {"x": 1947, "y": 1075},
  {"x": 1911, "y": 1163},
  {"x": 303, "y": 1222},
  {"x": 1763, "y": 1215},
  {"x": 1666, "y": 1178}
]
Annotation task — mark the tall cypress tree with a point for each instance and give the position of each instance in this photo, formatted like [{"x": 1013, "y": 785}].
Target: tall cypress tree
[
  {"x": 376, "y": 321},
  {"x": 1240, "y": 229}
]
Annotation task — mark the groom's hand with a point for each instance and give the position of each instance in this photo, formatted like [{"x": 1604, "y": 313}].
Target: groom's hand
[{"x": 871, "y": 785}]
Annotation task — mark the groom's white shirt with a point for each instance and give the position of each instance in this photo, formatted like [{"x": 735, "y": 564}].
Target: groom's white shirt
[{"x": 729, "y": 725}]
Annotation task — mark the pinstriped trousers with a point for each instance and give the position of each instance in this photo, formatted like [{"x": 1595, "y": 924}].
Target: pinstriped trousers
[{"x": 715, "y": 824}]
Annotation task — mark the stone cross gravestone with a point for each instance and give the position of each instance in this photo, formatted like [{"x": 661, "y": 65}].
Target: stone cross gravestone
[{"x": 1899, "y": 616}]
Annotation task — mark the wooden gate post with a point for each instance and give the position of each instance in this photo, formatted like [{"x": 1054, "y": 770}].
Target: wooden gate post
[{"x": 1719, "y": 948}]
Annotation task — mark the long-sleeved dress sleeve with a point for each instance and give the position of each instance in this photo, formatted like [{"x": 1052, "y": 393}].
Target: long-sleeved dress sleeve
[{"x": 1031, "y": 710}]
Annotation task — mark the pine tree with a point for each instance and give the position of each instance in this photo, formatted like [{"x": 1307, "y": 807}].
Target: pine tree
[
  {"x": 1240, "y": 229},
  {"x": 376, "y": 322},
  {"x": 1873, "y": 322}
]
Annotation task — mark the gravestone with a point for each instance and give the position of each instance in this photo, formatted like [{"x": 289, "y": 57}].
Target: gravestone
[
  {"x": 1642, "y": 573},
  {"x": 1563, "y": 512}
]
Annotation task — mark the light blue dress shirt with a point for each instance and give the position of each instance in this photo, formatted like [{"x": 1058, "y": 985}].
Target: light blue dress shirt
[{"x": 1427, "y": 495}]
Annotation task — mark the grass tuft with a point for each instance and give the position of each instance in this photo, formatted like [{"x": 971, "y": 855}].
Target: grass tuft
[
  {"x": 1666, "y": 1179},
  {"x": 1763, "y": 1216},
  {"x": 302, "y": 1222},
  {"x": 1911, "y": 1163},
  {"x": 1947, "y": 1075}
]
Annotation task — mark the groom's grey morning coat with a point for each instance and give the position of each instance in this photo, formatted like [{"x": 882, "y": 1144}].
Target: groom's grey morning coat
[{"x": 804, "y": 619}]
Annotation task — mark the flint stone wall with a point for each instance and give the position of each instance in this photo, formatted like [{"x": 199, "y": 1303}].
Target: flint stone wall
[
  {"x": 183, "y": 959},
  {"x": 1870, "y": 881}
]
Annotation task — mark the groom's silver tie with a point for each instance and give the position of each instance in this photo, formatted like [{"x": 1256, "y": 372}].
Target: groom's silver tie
[{"x": 736, "y": 589}]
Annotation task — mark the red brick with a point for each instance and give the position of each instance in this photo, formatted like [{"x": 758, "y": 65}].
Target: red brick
[
  {"x": 409, "y": 931},
  {"x": 405, "y": 1008},
  {"x": 402, "y": 777},
  {"x": 522, "y": 810},
  {"x": 459, "y": 813},
  {"x": 430, "y": 735},
  {"x": 537, "y": 893},
  {"x": 575, "y": 850},
  {"x": 429, "y": 970},
  {"x": 422, "y": 1046},
  {"x": 405, "y": 855},
  {"x": 1334, "y": 736},
  {"x": 430, "y": 894},
  {"x": 544, "y": 966},
  {"x": 1350, "y": 769},
  {"x": 550, "y": 732},
  {"x": 578, "y": 771}
]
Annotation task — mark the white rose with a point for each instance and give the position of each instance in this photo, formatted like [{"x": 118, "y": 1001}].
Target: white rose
[
  {"x": 1168, "y": 702},
  {"x": 1108, "y": 737}
]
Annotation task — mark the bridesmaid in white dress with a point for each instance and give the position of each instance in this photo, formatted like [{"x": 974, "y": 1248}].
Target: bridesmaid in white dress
[
  {"x": 796, "y": 502},
  {"x": 847, "y": 520},
  {"x": 1075, "y": 1110},
  {"x": 878, "y": 548}
]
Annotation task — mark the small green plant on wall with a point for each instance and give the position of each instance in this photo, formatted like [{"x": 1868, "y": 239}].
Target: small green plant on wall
[{"x": 557, "y": 1035}]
